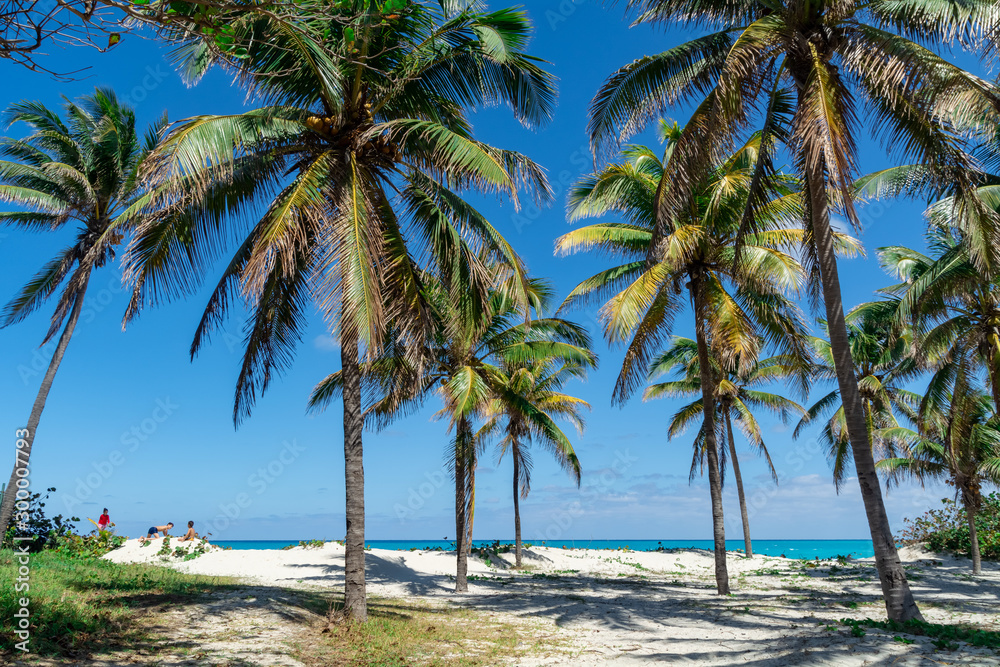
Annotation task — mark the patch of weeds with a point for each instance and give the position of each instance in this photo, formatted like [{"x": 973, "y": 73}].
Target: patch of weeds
[
  {"x": 765, "y": 572},
  {"x": 944, "y": 636},
  {"x": 401, "y": 633}
]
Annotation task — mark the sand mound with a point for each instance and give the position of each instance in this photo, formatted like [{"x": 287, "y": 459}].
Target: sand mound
[{"x": 150, "y": 552}]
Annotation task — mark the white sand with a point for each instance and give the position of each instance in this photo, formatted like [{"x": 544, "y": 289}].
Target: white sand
[{"x": 631, "y": 608}]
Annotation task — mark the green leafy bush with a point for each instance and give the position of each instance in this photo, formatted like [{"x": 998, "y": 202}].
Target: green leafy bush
[
  {"x": 165, "y": 549},
  {"x": 46, "y": 531},
  {"x": 88, "y": 546},
  {"x": 312, "y": 544},
  {"x": 947, "y": 529}
]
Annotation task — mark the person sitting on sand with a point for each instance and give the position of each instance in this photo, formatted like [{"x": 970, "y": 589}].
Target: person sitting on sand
[
  {"x": 104, "y": 521},
  {"x": 190, "y": 534},
  {"x": 154, "y": 532}
]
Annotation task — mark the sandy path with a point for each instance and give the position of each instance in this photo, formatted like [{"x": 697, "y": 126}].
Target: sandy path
[{"x": 632, "y": 608}]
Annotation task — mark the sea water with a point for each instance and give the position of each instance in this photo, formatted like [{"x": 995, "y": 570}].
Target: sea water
[{"x": 788, "y": 548}]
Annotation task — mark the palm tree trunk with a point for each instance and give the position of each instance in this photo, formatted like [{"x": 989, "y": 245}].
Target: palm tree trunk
[
  {"x": 21, "y": 460},
  {"x": 899, "y": 602},
  {"x": 711, "y": 447},
  {"x": 994, "y": 362},
  {"x": 470, "y": 494},
  {"x": 355, "y": 601},
  {"x": 739, "y": 487},
  {"x": 517, "y": 510},
  {"x": 462, "y": 432},
  {"x": 970, "y": 515}
]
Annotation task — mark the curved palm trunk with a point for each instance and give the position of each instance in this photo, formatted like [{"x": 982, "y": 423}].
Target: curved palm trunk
[
  {"x": 517, "y": 511},
  {"x": 711, "y": 447},
  {"x": 739, "y": 487},
  {"x": 899, "y": 602},
  {"x": 355, "y": 601},
  {"x": 21, "y": 460},
  {"x": 463, "y": 434},
  {"x": 970, "y": 515}
]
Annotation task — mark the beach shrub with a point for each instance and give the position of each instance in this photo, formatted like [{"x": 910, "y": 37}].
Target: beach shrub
[
  {"x": 311, "y": 544},
  {"x": 947, "y": 529},
  {"x": 46, "y": 531},
  {"x": 165, "y": 549},
  {"x": 201, "y": 547},
  {"x": 88, "y": 546}
]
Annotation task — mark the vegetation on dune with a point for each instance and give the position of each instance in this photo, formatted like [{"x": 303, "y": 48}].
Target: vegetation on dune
[
  {"x": 944, "y": 637},
  {"x": 946, "y": 529}
]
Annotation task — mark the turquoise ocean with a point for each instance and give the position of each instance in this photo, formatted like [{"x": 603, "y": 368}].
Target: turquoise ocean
[{"x": 789, "y": 548}]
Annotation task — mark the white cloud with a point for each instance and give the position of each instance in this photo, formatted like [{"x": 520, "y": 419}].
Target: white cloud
[{"x": 326, "y": 342}]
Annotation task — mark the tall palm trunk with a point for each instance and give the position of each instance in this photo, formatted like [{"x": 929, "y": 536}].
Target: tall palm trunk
[
  {"x": 355, "y": 600},
  {"x": 21, "y": 460},
  {"x": 970, "y": 515},
  {"x": 739, "y": 487},
  {"x": 899, "y": 602},
  {"x": 517, "y": 510},
  {"x": 994, "y": 362},
  {"x": 463, "y": 435},
  {"x": 711, "y": 448}
]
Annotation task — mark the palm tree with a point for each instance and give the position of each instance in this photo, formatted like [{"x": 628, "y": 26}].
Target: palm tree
[
  {"x": 883, "y": 366},
  {"x": 737, "y": 396},
  {"x": 953, "y": 308},
  {"x": 464, "y": 364},
  {"x": 536, "y": 387},
  {"x": 698, "y": 255},
  {"x": 80, "y": 169},
  {"x": 801, "y": 66},
  {"x": 958, "y": 441},
  {"x": 366, "y": 103}
]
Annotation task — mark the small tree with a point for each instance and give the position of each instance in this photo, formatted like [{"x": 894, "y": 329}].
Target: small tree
[
  {"x": 959, "y": 442},
  {"x": 515, "y": 416}
]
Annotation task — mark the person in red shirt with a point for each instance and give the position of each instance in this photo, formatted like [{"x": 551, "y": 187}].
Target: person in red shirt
[{"x": 104, "y": 521}]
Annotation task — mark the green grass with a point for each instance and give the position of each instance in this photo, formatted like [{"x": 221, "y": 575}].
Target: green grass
[
  {"x": 83, "y": 606},
  {"x": 401, "y": 633}
]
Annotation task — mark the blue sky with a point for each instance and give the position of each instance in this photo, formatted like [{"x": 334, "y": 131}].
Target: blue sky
[{"x": 133, "y": 425}]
